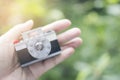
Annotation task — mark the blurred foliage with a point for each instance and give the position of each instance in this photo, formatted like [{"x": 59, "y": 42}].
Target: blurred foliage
[{"x": 99, "y": 20}]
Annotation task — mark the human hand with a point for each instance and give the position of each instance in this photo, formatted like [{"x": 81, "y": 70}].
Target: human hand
[{"x": 10, "y": 68}]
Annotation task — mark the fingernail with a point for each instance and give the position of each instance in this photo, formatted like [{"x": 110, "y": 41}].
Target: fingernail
[
  {"x": 68, "y": 21},
  {"x": 29, "y": 22}
]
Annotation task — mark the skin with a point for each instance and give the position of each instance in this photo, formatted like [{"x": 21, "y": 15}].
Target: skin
[{"x": 9, "y": 66}]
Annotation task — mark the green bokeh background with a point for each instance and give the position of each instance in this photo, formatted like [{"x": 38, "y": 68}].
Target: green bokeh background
[{"x": 99, "y": 20}]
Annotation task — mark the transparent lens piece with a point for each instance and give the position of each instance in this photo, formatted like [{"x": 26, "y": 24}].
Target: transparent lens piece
[
  {"x": 37, "y": 43},
  {"x": 43, "y": 52}
]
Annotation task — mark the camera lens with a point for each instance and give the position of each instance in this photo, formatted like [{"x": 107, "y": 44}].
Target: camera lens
[{"x": 39, "y": 46}]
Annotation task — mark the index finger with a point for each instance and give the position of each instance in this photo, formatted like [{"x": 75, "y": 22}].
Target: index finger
[{"x": 58, "y": 25}]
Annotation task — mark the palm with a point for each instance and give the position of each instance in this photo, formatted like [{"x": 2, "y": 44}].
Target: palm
[{"x": 10, "y": 67}]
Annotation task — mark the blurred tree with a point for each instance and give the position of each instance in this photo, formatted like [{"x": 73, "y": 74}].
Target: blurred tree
[
  {"x": 100, "y": 30},
  {"x": 99, "y": 20}
]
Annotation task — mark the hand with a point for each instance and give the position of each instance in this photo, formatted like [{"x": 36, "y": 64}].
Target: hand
[{"x": 10, "y": 67}]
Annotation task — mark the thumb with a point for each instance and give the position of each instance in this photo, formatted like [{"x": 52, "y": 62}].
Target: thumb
[{"x": 15, "y": 32}]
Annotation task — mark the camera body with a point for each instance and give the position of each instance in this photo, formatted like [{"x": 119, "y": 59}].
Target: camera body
[{"x": 36, "y": 46}]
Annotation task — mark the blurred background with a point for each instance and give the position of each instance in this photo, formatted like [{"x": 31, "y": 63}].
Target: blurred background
[{"x": 99, "y": 56}]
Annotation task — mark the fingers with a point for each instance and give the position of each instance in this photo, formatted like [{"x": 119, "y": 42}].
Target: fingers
[
  {"x": 58, "y": 25},
  {"x": 48, "y": 64},
  {"x": 68, "y": 35},
  {"x": 15, "y": 32},
  {"x": 76, "y": 42},
  {"x": 68, "y": 48},
  {"x": 38, "y": 69}
]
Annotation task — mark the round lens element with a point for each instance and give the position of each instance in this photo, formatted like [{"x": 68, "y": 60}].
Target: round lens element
[{"x": 39, "y": 47}]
